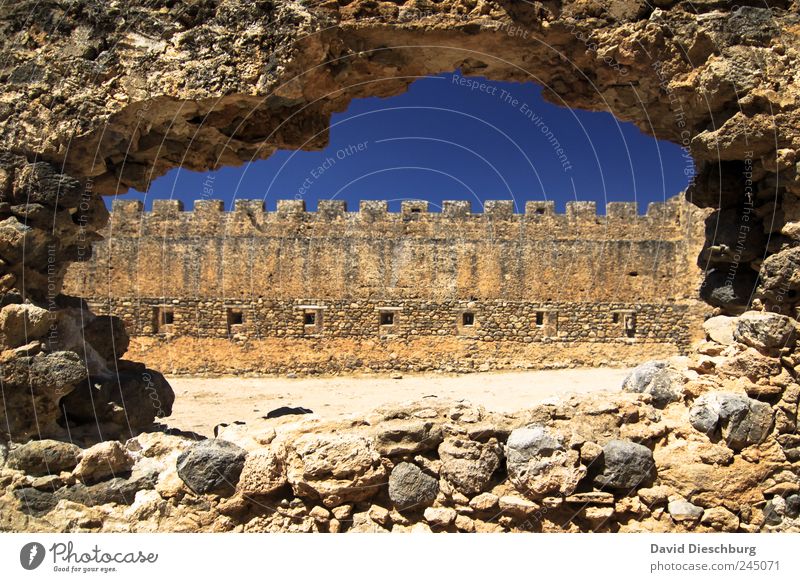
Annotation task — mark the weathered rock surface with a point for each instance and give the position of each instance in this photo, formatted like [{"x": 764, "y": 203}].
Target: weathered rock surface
[
  {"x": 92, "y": 79},
  {"x": 657, "y": 379},
  {"x": 682, "y": 510},
  {"x": 45, "y": 457},
  {"x": 539, "y": 464},
  {"x": 211, "y": 466},
  {"x": 766, "y": 331},
  {"x": 720, "y": 329},
  {"x": 22, "y": 323},
  {"x": 626, "y": 465},
  {"x": 335, "y": 468},
  {"x": 469, "y": 465},
  {"x": 263, "y": 473},
  {"x": 410, "y": 487},
  {"x": 103, "y": 460},
  {"x": 739, "y": 420}
]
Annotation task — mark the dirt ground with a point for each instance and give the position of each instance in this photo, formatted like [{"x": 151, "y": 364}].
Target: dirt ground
[{"x": 202, "y": 403}]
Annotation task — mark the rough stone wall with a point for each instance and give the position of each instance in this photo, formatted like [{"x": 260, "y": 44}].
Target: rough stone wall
[
  {"x": 249, "y": 275},
  {"x": 706, "y": 444},
  {"x": 100, "y": 97}
]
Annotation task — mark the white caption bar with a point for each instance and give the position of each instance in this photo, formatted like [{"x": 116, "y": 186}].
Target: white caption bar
[{"x": 409, "y": 557}]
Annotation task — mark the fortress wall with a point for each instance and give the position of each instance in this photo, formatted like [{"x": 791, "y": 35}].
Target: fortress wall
[
  {"x": 491, "y": 320},
  {"x": 540, "y": 277},
  {"x": 335, "y": 254}
]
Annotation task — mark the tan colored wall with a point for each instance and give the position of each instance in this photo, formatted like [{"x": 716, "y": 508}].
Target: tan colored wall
[{"x": 503, "y": 267}]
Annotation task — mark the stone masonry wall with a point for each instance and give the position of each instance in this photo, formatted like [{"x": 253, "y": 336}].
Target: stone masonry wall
[{"x": 495, "y": 276}]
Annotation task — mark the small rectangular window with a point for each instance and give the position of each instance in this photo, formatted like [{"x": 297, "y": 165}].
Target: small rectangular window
[
  {"x": 310, "y": 318},
  {"x": 467, "y": 318},
  {"x": 615, "y": 317},
  {"x": 539, "y": 318},
  {"x": 387, "y": 318},
  {"x": 162, "y": 316},
  {"x": 235, "y": 317},
  {"x": 630, "y": 325}
]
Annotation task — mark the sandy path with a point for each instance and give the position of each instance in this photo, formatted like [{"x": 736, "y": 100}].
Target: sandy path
[{"x": 201, "y": 403}]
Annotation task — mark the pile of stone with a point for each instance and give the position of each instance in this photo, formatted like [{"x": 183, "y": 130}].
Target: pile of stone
[{"x": 706, "y": 443}]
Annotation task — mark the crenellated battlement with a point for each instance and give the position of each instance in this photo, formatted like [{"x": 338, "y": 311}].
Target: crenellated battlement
[
  {"x": 522, "y": 273},
  {"x": 248, "y": 217},
  {"x": 327, "y": 209}
]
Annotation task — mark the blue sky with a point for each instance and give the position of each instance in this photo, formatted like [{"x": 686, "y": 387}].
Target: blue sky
[{"x": 451, "y": 138}]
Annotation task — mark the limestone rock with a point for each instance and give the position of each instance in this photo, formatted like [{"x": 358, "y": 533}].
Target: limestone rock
[
  {"x": 780, "y": 279},
  {"x": 720, "y": 519},
  {"x": 739, "y": 420},
  {"x": 653, "y": 496},
  {"x": 682, "y": 510},
  {"x": 749, "y": 364},
  {"x": 44, "y": 457},
  {"x": 737, "y": 485},
  {"x": 440, "y": 517},
  {"x": 336, "y": 468},
  {"x": 539, "y": 464},
  {"x": 21, "y": 323},
  {"x": 410, "y": 487},
  {"x": 658, "y": 380},
  {"x": 726, "y": 242},
  {"x": 211, "y": 466},
  {"x": 465, "y": 524},
  {"x": 263, "y": 473},
  {"x": 591, "y": 498},
  {"x": 720, "y": 329},
  {"x": 626, "y": 465},
  {"x": 403, "y": 437},
  {"x": 469, "y": 465},
  {"x": 766, "y": 331},
  {"x": 363, "y": 523},
  {"x": 517, "y": 505},
  {"x": 37, "y": 383},
  {"x": 484, "y": 502},
  {"x": 103, "y": 460}
]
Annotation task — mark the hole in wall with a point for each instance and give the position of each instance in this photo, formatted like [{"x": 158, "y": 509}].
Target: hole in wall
[{"x": 446, "y": 139}]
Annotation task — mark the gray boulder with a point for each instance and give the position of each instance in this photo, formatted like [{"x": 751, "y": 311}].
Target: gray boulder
[
  {"x": 410, "y": 487},
  {"x": 740, "y": 421},
  {"x": 45, "y": 457},
  {"x": 766, "y": 331},
  {"x": 121, "y": 491},
  {"x": 731, "y": 294},
  {"x": 625, "y": 465},
  {"x": 133, "y": 396},
  {"x": 212, "y": 466},
  {"x": 773, "y": 512},
  {"x": 658, "y": 380},
  {"x": 793, "y": 505},
  {"x": 539, "y": 464},
  {"x": 682, "y": 510}
]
